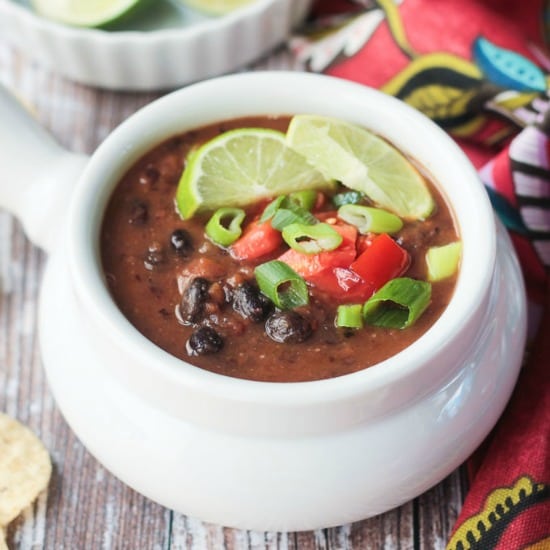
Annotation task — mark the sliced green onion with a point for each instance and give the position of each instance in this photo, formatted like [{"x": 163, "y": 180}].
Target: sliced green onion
[
  {"x": 285, "y": 210},
  {"x": 271, "y": 208},
  {"x": 398, "y": 304},
  {"x": 305, "y": 199},
  {"x": 311, "y": 239},
  {"x": 281, "y": 284},
  {"x": 347, "y": 197},
  {"x": 224, "y": 227},
  {"x": 349, "y": 316},
  {"x": 370, "y": 220},
  {"x": 292, "y": 213},
  {"x": 443, "y": 260}
]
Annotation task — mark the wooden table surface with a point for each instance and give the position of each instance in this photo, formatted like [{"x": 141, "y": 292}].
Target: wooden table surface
[{"x": 86, "y": 507}]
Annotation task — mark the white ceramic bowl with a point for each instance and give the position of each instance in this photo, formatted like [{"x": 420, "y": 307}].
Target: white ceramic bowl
[
  {"x": 257, "y": 455},
  {"x": 173, "y": 47}
]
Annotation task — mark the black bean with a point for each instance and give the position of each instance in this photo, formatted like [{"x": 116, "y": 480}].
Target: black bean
[
  {"x": 204, "y": 341},
  {"x": 139, "y": 213},
  {"x": 250, "y": 303},
  {"x": 182, "y": 242},
  {"x": 194, "y": 299},
  {"x": 288, "y": 327}
]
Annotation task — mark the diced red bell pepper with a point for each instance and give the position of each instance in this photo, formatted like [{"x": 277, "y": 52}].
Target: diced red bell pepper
[
  {"x": 257, "y": 240},
  {"x": 343, "y": 284},
  {"x": 382, "y": 261},
  {"x": 308, "y": 265}
]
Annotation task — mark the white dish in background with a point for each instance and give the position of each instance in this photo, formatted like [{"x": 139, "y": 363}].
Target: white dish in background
[{"x": 174, "y": 47}]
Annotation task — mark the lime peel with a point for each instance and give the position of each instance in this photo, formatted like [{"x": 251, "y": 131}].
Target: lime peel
[
  {"x": 362, "y": 161},
  {"x": 91, "y": 13}
]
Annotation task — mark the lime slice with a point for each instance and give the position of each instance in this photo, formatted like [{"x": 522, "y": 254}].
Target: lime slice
[
  {"x": 361, "y": 161},
  {"x": 216, "y": 7},
  {"x": 240, "y": 167},
  {"x": 89, "y": 13}
]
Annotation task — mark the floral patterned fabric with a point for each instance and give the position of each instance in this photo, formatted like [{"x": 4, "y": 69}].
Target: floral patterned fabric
[{"x": 479, "y": 69}]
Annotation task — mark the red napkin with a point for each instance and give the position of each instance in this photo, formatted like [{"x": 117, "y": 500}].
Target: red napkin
[{"x": 479, "y": 69}]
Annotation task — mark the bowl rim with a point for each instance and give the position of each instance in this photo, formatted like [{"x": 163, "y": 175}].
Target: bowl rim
[{"x": 87, "y": 276}]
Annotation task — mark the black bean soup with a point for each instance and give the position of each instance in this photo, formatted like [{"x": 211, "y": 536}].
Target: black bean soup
[{"x": 194, "y": 300}]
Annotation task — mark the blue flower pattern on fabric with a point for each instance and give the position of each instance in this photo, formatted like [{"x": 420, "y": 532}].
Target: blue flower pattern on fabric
[{"x": 507, "y": 68}]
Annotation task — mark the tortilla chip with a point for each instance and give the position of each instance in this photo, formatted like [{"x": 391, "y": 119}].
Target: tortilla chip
[{"x": 25, "y": 469}]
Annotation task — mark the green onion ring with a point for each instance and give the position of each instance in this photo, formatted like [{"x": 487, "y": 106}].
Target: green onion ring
[
  {"x": 305, "y": 199},
  {"x": 370, "y": 220},
  {"x": 285, "y": 210},
  {"x": 349, "y": 316},
  {"x": 224, "y": 227},
  {"x": 271, "y": 208},
  {"x": 281, "y": 284},
  {"x": 292, "y": 213},
  {"x": 311, "y": 239},
  {"x": 398, "y": 304},
  {"x": 442, "y": 261}
]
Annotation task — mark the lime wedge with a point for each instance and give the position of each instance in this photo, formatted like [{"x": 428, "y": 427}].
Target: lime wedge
[
  {"x": 240, "y": 167},
  {"x": 215, "y": 7},
  {"x": 89, "y": 13},
  {"x": 361, "y": 161}
]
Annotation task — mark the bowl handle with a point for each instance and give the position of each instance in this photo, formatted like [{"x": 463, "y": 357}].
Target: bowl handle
[{"x": 38, "y": 175}]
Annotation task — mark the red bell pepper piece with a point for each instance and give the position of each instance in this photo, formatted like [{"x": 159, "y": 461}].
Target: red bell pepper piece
[
  {"x": 329, "y": 271},
  {"x": 342, "y": 284},
  {"x": 382, "y": 261},
  {"x": 257, "y": 240},
  {"x": 309, "y": 265}
]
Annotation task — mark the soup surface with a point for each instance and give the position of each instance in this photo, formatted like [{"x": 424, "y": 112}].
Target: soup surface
[{"x": 170, "y": 280}]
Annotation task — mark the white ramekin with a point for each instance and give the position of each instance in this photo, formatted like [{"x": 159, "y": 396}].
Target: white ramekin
[{"x": 266, "y": 456}]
